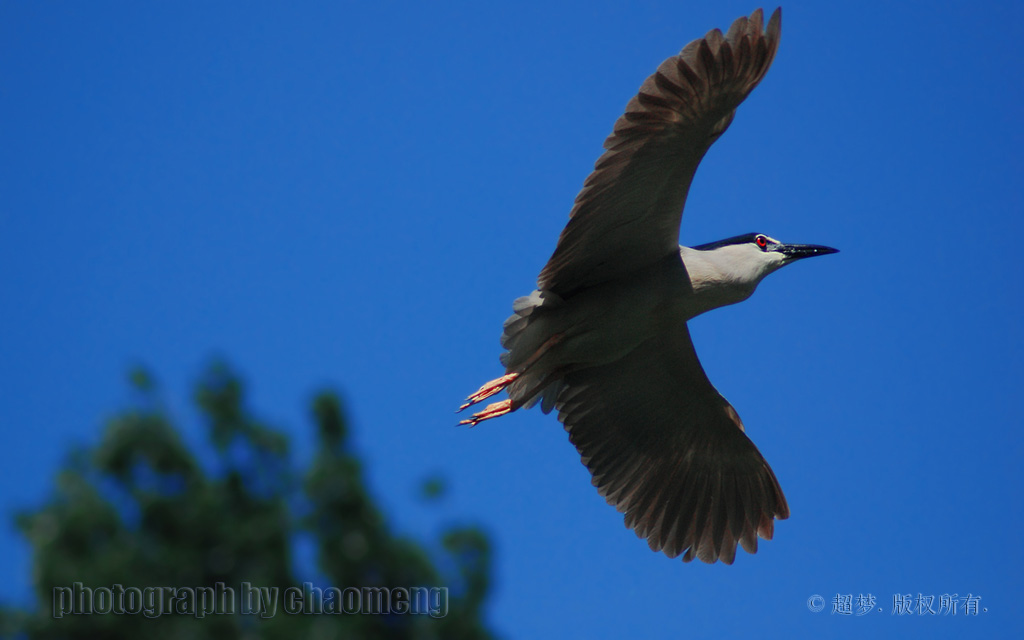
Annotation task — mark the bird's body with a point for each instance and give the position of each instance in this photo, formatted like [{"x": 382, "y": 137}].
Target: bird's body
[
  {"x": 604, "y": 338},
  {"x": 603, "y": 322}
]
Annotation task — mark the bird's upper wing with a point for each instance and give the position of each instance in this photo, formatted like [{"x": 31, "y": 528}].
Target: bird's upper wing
[
  {"x": 628, "y": 213},
  {"x": 669, "y": 452}
]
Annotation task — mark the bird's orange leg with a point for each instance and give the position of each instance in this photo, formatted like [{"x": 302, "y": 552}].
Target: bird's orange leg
[
  {"x": 489, "y": 389},
  {"x": 497, "y": 409},
  {"x": 499, "y": 384},
  {"x": 492, "y": 411},
  {"x": 550, "y": 342}
]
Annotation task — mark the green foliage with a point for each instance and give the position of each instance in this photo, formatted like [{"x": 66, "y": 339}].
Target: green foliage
[{"x": 139, "y": 510}]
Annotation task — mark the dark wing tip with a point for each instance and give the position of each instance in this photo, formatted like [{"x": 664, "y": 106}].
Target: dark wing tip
[
  {"x": 775, "y": 23},
  {"x": 700, "y": 509},
  {"x": 773, "y": 31}
]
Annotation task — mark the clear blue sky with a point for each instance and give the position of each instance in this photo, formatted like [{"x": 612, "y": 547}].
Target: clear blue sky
[{"x": 351, "y": 194}]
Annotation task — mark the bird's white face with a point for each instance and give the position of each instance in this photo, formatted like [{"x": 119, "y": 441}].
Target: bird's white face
[
  {"x": 770, "y": 259},
  {"x": 747, "y": 263}
]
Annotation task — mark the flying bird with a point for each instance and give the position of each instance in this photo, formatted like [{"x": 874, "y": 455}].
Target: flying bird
[{"x": 604, "y": 341}]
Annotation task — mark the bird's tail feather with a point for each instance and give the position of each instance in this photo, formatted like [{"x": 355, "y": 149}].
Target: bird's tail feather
[{"x": 528, "y": 333}]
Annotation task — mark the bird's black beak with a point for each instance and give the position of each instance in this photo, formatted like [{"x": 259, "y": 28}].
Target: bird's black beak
[{"x": 800, "y": 251}]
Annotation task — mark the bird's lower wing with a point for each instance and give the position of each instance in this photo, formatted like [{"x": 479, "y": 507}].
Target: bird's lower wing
[
  {"x": 669, "y": 452},
  {"x": 628, "y": 213}
]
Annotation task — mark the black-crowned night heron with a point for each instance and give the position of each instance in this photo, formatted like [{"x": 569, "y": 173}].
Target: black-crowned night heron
[{"x": 604, "y": 338}]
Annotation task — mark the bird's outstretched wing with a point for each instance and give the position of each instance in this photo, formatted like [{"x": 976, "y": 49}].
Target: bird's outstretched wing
[
  {"x": 627, "y": 215},
  {"x": 669, "y": 452}
]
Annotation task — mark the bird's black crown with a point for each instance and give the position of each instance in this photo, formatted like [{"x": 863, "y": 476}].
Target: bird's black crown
[{"x": 743, "y": 239}]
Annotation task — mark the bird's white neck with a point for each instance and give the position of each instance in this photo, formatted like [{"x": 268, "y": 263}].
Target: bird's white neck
[{"x": 717, "y": 278}]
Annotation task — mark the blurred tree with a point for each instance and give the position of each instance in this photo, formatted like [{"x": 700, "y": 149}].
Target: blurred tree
[{"x": 140, "y": 511}]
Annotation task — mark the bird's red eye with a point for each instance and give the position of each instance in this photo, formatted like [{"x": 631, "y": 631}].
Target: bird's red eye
[{"x": 761, "y": 241}]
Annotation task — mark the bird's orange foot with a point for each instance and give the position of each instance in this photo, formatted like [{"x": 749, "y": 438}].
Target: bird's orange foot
[
  {"x": 492, "y": 411},
  {"x": 489, "y": 389}
]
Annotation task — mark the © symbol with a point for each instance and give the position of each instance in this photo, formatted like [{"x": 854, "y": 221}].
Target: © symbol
[{"x": 815, "y": 603}]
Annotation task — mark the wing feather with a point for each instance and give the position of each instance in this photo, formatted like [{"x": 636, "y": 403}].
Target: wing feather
[
  {"x": 669, "y": 452},
  {"x": 627, "y": 214}
]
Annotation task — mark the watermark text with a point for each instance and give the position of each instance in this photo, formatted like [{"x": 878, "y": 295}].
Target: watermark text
[{"x": 248, "y": 599}]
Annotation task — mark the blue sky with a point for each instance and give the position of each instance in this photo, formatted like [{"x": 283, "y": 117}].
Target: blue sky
[{"x": 351, "y": 194}]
